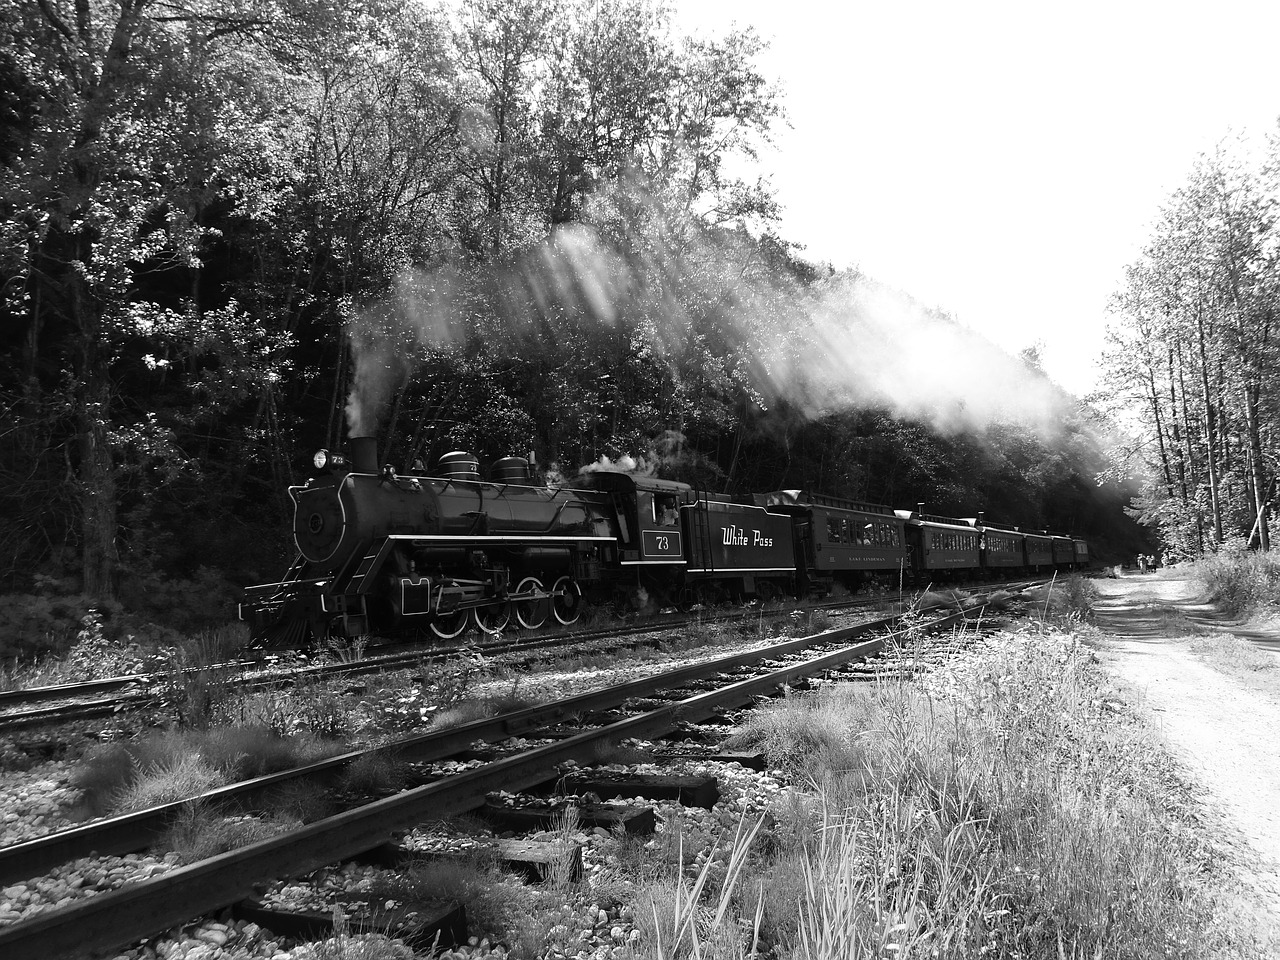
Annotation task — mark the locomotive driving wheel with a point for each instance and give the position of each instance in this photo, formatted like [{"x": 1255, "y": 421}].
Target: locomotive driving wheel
[
  {"x": 768, "y": 591},
  {"x": 566, "y": 601},
  {"x": 531, "y": 613},
  {"x": 492, "y": 618},
  {"x": 446, "y": 626}
]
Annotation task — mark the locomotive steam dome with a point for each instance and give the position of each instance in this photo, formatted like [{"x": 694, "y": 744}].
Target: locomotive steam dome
[
  {"x": 511, "y": 470},
  {"x": 459, "y": 465}
]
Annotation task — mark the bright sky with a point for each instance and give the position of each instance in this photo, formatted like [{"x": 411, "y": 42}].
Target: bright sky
[{"x": 1001, "y": 160}]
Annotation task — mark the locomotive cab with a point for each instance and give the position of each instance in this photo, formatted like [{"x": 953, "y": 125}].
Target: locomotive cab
[{"x": 648, "y": 513}]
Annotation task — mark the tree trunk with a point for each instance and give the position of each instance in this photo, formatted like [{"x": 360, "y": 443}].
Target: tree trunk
[
  {"x": 1256, "y": 466},
  {"x": 1178, "y": 446},
  {"x": 1190, "y": 455},
  {"x": 1210, "y": 431},
  {"x": 1155, "y": 413},
  {"x": 96, "y": 481}
]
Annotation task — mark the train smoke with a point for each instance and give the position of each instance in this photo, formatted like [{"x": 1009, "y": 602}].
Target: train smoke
[
  {"x": 389, "y": 338},
  {"x": 636, "y": 466},
  {"x": 685, "y": 296},
  {"x": 871, "y": 345}
]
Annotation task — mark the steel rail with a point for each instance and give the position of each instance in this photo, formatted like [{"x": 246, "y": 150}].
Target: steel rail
[
  {"x": 114, "y": 920},
  {"x": 131, "y": 832},
  {"x": 377, "y": 664}
]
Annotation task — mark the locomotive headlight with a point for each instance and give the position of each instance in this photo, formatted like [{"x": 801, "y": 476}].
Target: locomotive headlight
[{"x": 321, "y": 459}]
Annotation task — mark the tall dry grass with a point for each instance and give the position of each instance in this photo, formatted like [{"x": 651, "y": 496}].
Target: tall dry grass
[
  {"x": 1239, "y": 581},
  {"x": 993, "y": 810}
]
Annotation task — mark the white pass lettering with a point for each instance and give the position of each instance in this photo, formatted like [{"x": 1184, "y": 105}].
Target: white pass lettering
[{"x": 735, "y": 536}]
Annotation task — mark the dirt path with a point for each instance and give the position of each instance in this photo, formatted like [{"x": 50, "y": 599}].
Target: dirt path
[{"x": 1226, "y": 732}]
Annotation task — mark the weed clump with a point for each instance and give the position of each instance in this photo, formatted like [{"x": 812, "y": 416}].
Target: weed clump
[
  {"x": 994, "y": 809},
  {"x": 168, "y": 765},
  {"x": 1241, "y": 582},
  {"x": 198, "y": 833}
]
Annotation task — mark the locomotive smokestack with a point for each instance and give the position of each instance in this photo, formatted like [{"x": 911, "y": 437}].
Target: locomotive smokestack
[{"x": 364, "y": 454}]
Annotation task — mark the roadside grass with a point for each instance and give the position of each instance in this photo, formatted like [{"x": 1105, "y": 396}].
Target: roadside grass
[
  {"x": 94, "y": 656},
  {"x": 994, "y": 809},
  {"x": 1240, "y": 582},
  {"x": 1232, "y": 655},
  {"x": 43, "y": 671},
  {"x": 1066, "y": 601},
  {"x": 1242, "y": 660}
]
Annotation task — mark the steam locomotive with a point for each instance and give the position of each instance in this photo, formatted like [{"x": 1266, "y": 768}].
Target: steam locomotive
[{"x": 382, "y": 553}]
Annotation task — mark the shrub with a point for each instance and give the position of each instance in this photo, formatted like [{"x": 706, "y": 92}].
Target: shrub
[
  {"x": 1240, "y": 581},
  {"x": 93, "y": 656},
  {"x": 1071, "y": 600},
  {"x": 33, "y": 625}
]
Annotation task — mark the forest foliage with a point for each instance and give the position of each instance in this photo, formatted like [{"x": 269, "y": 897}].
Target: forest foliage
[
  {"x": 235, "y": 231},
  {"x": 1193, "y": 362}
]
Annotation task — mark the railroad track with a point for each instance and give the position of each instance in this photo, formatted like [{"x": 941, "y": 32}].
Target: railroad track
[
  {"x": 112, "y": 920},
  {"x": 102, "y": 698},
  {"x": 88, "y": 700}
]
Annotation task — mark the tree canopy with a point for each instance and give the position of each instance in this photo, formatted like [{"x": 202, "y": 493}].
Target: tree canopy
[
  {"x": 1193, "y": 357},
  {"x": 237, "y": 230}
]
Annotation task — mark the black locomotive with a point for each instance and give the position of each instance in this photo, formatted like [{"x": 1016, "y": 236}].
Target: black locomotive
[{"x": 379, "y": 553}]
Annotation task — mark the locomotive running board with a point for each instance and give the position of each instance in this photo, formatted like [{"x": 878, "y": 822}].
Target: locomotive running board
[{"x": 531, "y": 539}]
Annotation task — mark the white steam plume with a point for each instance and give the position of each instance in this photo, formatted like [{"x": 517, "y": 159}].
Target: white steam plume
[
  {"x": 636, "y": 466},
  {"x": 837, "y": 342},
  {"x": 870, "y": 345}
]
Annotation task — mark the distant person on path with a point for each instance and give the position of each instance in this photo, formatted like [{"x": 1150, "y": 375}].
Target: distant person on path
[{"x": 1142, "y": 563}]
